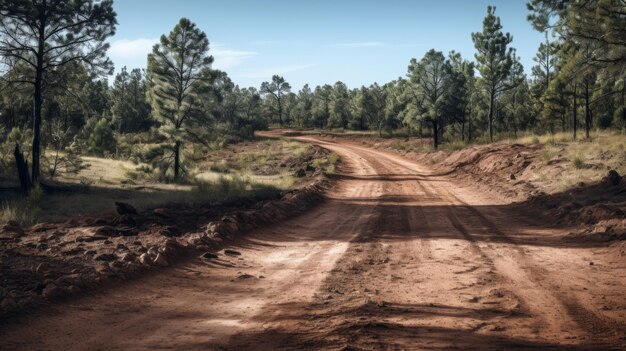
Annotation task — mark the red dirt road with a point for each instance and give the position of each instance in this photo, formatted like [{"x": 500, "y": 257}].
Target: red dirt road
[{"x": 397, "y": 258}]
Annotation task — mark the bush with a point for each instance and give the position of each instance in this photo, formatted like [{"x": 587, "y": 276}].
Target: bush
[
  {"x": 578, "y": 162},
  {"x": 102, "y": 140}
]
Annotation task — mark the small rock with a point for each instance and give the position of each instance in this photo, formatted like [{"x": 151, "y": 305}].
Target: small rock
[
  {"x": 106, "y": 231},
  {"x": 90, "y": 252},
  {"x": 105, "y": 257},
  {"x": 117, "y": 264},
  {"x": 145, "y": 259},
  {"x": 612, "y": 178},
  {"x": 209, "y": 255},
  {"x": 232, "y": 252},
  {"x": 129, "y": 257},
  {"x": 591, "y": 263},
  {"x": 103, "y": 268},
  {"x": 161, "y": 261},
  {"x": 167, "y": 232},
  {"x": 497, "y": 328},
  {"x": 73, "y": 251},
  {"x": 51, "y": 291},
  {"x": 41, "y": 227},
  {"x": 125, "y": 220},
  {"x": 512, "y": 176},
  {"x": 121, "y": 247},
  {"x": 153, "y": 251},
  {"x": 125, "y": 209}
]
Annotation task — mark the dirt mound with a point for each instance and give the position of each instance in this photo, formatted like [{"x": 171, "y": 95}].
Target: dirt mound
[
  {"x": 51, "y": 260},
  {"x": 512, "y": 170},
  {"x": 308, "y": 163}
]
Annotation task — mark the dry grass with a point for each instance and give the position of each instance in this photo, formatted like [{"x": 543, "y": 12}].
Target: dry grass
[
  {"x": 579, "y": 161},
  {"x": 107, "y": 180}
]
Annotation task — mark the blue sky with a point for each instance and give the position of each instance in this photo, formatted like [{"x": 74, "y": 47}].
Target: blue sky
[{"x": 318, "y": 42}]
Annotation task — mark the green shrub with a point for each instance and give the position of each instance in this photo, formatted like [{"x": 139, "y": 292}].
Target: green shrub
[
  {"x": 578, "y": 162},
  {"x": 102, "y": 140}
]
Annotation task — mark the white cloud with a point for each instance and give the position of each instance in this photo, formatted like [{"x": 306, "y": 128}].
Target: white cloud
[
  {"x": 131, "y": 49},
  {"x": 269, "y": 72},
  {"x": 133, "y": 53},
  {"x": 363, "y": 44},
  {"x": 227, "y": 58}
]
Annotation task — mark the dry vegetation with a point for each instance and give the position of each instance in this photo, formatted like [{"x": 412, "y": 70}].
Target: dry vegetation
[{"x": 260, "y": 168}]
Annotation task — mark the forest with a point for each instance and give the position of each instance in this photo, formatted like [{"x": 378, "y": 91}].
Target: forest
[
  {"x": 470, "y": 203},
  {"x": 57, "y": 102}
]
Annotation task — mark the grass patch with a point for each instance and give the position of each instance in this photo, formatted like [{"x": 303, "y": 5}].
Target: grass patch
[{"x": 578, "y": 161}]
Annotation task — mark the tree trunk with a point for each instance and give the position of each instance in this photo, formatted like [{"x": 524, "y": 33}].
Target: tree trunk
[
  {"x": 463, "y": 125},
  {"x": 38, "y": 101},
  {"x": 22, "y": 170},
  {"x": 280, "y": 113},
  {"x": 574, "y": 112},
  {"x": 587, "y": 111},
  {"x": 491, "y": 106},
  {"x": 623, "y": 105},
  {"x": 435, "y": 134},
  {"x": 176, "y": 159},
  {"x": 469, "y": 124}
]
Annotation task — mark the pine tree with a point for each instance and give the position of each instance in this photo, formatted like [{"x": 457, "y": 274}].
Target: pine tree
[
  {"x": 430, "y": 78},
  {"x": 277, "y": 88},
  {"x": 180, "y": 71},
  {"x": 49, "y": 34},
  {"x": 494, "y": 59}
]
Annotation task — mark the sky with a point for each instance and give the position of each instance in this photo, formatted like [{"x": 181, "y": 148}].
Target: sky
[{"x": 318, "y": 42}]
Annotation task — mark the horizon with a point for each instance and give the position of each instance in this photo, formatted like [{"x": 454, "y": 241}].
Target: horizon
[{"x": 334, "y": 42}]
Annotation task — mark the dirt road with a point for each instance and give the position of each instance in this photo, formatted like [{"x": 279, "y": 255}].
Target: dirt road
[{"x": 397, "y": 258}]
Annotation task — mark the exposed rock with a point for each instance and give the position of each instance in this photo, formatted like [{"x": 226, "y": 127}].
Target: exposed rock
[
  {"x": 125, "y": 209},
  {"x": 168, "y": 231},
  {"x": 51, "y": 291},
  {"x": 145, "y": 259},
  {"x": 73, "y": 251},
  {"x": 42, "y": 227},
  {"x": 153, "y": 251},
  {"x": 90, "y": 252},
  {"x": 105, "y": 231},
  {"x": 612, "y": 178},
  {"x": 105, "y": 257},
  {"x": 209, "y": 255},
  {"x": 129, "y": 257},
  {"x": 160, "y": 260},
  {"x": 90, "y": 238},
  {"x": 125, "y": 220}
]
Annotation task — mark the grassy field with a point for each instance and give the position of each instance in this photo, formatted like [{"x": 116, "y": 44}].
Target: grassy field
[{"x": 258, "y": 168}]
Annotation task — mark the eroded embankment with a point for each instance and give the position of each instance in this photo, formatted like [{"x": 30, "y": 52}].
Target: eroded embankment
[{"x": 52, "y": 260}]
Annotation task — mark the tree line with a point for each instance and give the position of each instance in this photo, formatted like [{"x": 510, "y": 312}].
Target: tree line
[{"x": 54, "y": 95}]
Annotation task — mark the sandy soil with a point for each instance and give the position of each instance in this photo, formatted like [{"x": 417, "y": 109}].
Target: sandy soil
[{"x": 397, "y": 258}]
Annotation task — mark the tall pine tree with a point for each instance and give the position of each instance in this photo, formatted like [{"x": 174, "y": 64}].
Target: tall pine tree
[{"x": 180, "y": 70}]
